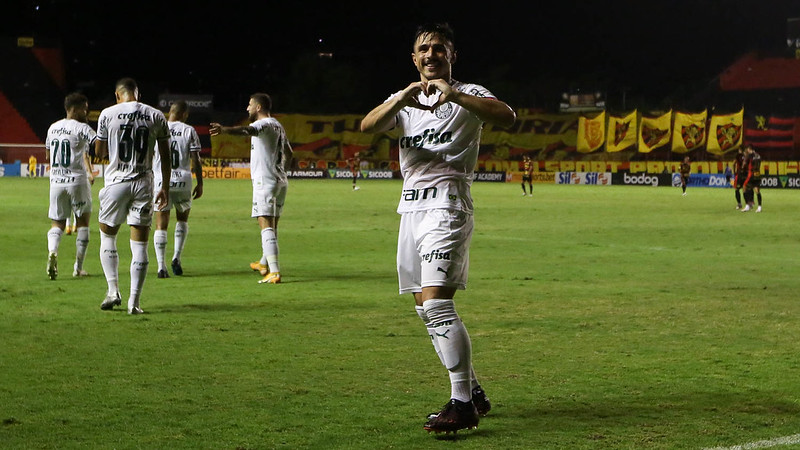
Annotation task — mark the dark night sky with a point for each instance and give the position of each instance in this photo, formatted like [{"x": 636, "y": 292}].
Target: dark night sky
[{"x": 522, "y": 51}]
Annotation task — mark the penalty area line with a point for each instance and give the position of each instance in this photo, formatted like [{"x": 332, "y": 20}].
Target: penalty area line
[{"x": 784, "y": 440}]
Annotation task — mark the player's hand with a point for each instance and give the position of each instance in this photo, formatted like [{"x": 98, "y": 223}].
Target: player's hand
[
  {"x": 215, "y": 129},
  {"x": 446, "y": 92},
  {"x": 161, "y": 199},
  {"x": 197, "y": 192},
  {"x": 409, "y": 95}
]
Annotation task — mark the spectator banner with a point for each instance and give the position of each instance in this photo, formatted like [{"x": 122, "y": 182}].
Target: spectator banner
[
  {"x": 654, "y": 132},
  {"x": 773, "y": 133},
  {"x": 725, "y": 132},
  {"x": 689, "y": 131},
  {"x": 592, "y": 178},
  {"x": 591, "y": 133},
  {"x": 621, "y": 132}
]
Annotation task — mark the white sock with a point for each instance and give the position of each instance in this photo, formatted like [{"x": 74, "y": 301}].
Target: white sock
[
  {"x": 54, "y": 239},
  {"x": 455, "y": 345},
  {"x": 81, "y": 244},
  {"x": 160, "y": 244},
  {"x": 421, "y": 313},
  {"x": 110, "y": 261},
  {"x": 139, "y": 263},
  {"x": 181, "y": 231},
  {"x": 269, "y": 245}
]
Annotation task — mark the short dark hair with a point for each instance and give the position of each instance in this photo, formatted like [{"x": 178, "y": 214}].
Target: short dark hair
[
  {"x": 443, "y": 29},
  {"x": 179, "y": 107},
  {"x": 74, "y": 100},
  {"x": 126, "y": 84},
  {"x": 263, "y": 99}
]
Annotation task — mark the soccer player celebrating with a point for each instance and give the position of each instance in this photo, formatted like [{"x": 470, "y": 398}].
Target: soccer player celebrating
[
  {"x": 127, "y": 132},
  {"x": 68, "y": 142},
  {"x": 752, "y": 183},
  {"x": 184, "y": 155},
  {"x": 270, "y": 158},
  {"x": 440, "y": 121}
]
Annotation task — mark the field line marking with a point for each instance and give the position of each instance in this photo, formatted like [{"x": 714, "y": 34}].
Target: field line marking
[{"x": 784, "y": 440}]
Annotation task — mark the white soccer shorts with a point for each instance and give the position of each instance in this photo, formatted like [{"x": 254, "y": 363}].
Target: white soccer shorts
[
  {"x": 65, "y": 199},
  {"x": 268, "y": 198},
  {"x": 180, "y": 197},
  {"x": 131, "y": 200},
  {"x": 433, "y": 249}
]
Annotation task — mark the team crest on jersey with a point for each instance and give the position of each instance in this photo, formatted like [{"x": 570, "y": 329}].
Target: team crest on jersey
[{"x": 444, "y": 111}]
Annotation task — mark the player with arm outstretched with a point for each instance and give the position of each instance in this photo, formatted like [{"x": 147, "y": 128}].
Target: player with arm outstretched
[{"x": 270, "y": 159}]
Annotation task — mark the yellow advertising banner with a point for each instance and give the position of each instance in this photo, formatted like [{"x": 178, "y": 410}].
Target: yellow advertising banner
[
  {"x": 591, "y": 133},
  {"x": 725, "y": 132},
  {"x": 621, "y": 132},
  {"x": 654, "y": 132},
  {"x": 688, "y": 131}
]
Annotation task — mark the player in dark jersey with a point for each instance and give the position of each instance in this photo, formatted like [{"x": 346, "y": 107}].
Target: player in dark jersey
[
  {"x": 354, "y": 164},
  {"x": 752, "y": 182},
  {"x": 740, "y": 173},
  {"x": 527, "y": 175},
  {"x": 685, "y": 170}
]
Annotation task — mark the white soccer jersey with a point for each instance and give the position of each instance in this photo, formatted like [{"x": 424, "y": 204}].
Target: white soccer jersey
[
  {"x": 67, "y": 141},
  {"x": 183, "y": 140},
  {"x": 131, "y": 129},
  {"x": 438, "y": 152},
  {"x": 267, "y": 151}
]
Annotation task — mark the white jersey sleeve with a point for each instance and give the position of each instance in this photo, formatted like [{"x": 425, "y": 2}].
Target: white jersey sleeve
[{"x": 67, "y": 142}]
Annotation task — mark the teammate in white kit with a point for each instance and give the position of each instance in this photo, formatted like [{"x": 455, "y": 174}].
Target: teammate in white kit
[
  {"x": 68, "y": 142},
  {"x": 184, "y": 149},
  {"x": 440, "y": 121},
  {"x": 270, "y": 158},
  {"x": 127, "y": 132}
]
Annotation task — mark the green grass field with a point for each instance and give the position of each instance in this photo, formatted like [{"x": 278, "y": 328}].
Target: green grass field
[{"x": 601, "y": 317}]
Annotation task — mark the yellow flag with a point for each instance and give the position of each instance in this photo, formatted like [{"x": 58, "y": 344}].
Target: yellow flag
[
  {"x": 654, "y": 132},
  {"x": 591, "y": 133},
  {"x": 688, "y": 131},
  {"x": 621, "y": 132},
  {"x": 725, "y": 132}
]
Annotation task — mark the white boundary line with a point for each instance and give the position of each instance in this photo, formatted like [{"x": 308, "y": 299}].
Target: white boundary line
[{"x": 785, "y": 440}]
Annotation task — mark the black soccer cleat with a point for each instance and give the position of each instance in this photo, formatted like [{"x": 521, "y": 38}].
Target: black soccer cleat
[
  {"x": 176, "y": 267},
  {"x": 163, "y": 274},
  {"x": 481, "y": 401},
  {"x": 455, "y": 415}
]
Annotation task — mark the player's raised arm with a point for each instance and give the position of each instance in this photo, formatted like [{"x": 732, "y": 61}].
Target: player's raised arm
[
  {"x": 216, "y": 129},
  {"x": 488, "y": 109},
  {"x": 381, "y": 118}
]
